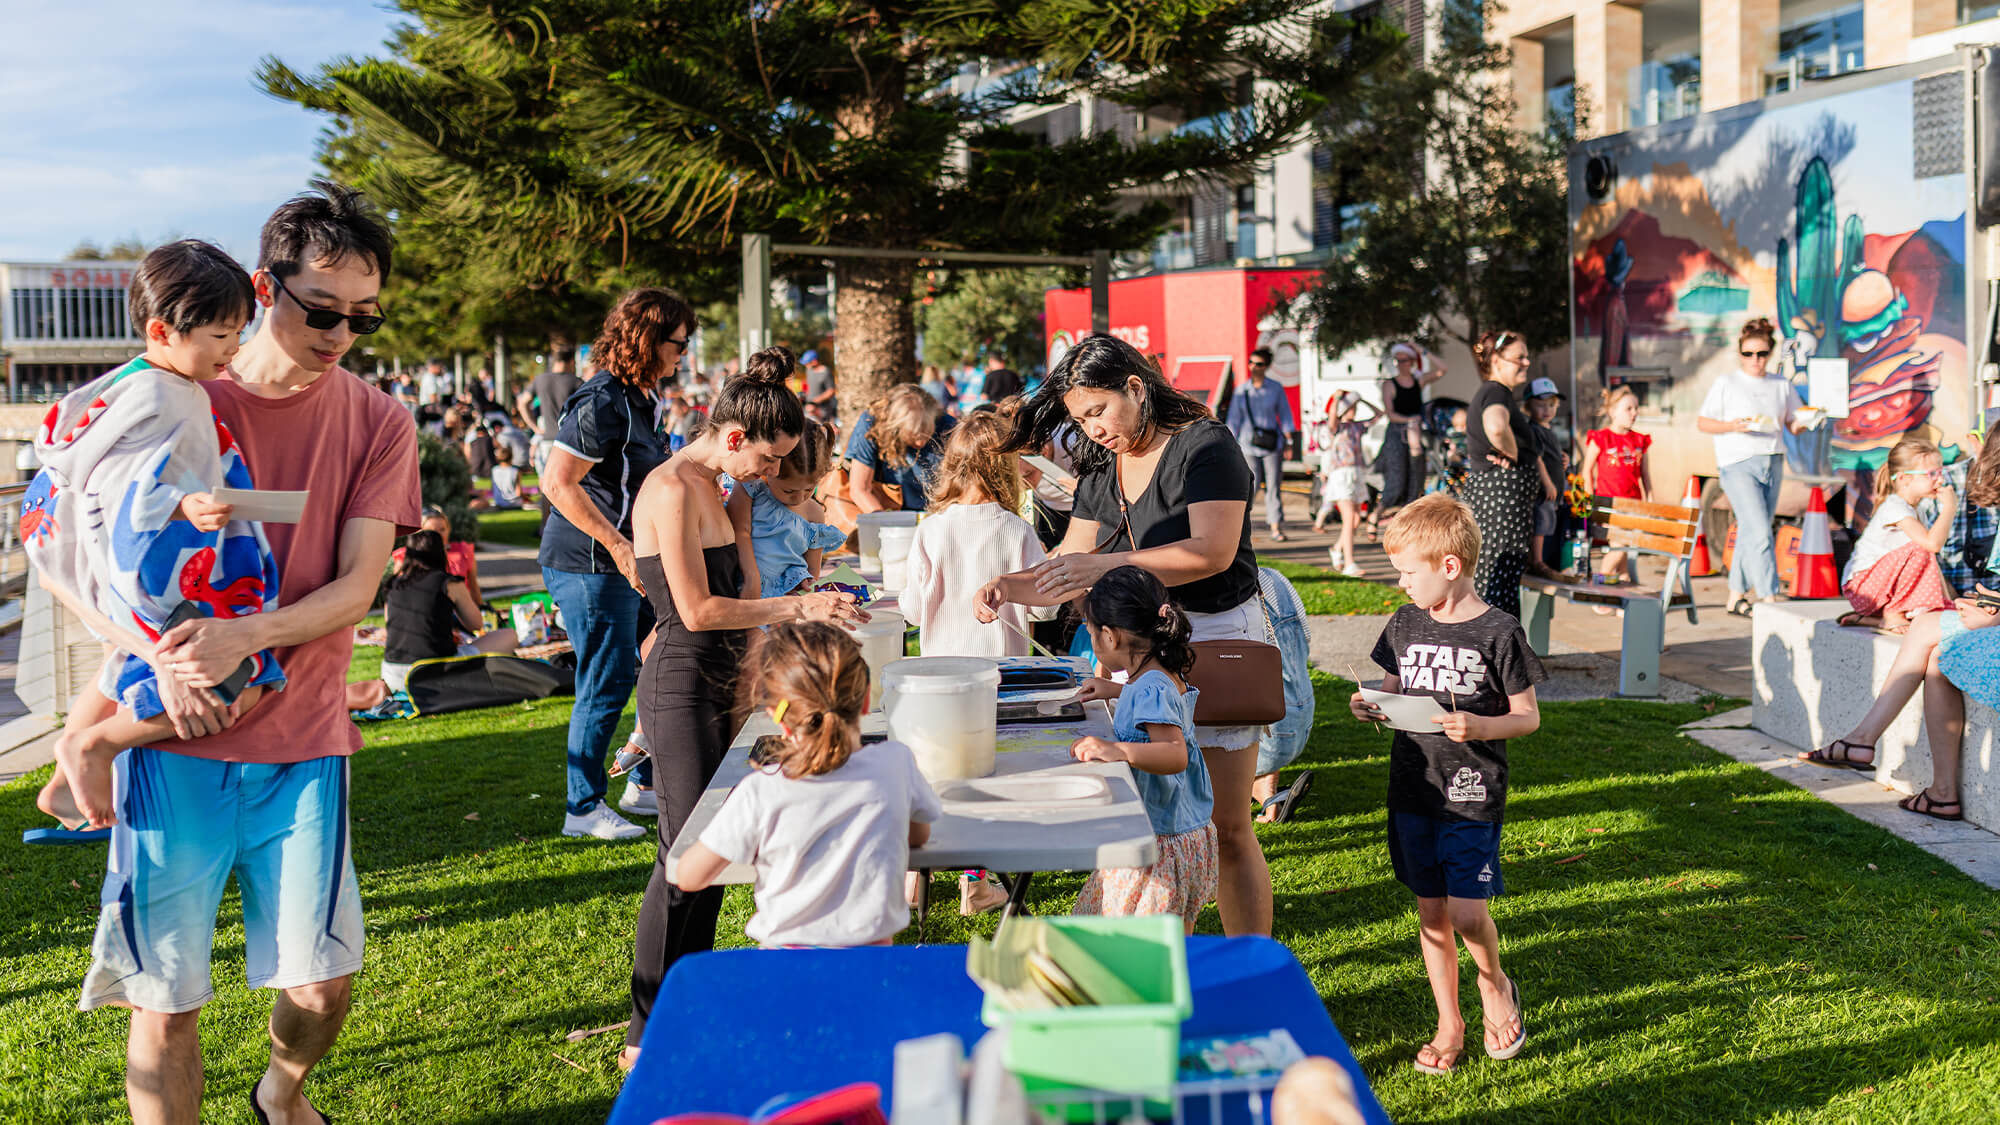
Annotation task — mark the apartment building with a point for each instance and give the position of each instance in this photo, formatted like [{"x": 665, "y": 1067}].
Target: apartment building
[
  {"x": 1639, "y": 64},
  {"x": 62, "y": 324}
]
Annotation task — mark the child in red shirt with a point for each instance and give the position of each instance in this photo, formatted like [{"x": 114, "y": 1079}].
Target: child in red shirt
[{"x": 1614, "y": 464}]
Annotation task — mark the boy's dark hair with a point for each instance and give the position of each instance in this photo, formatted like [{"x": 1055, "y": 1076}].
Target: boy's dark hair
[
  {"x": 330, "y": 224},
  {"x": 188, "y": 284},
  {"x": 1135, "y": 600},
  {"x": 1261, "y": 353}
]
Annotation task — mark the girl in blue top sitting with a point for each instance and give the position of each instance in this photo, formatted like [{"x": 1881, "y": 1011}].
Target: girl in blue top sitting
[
  {"x": 1141, "y": 638},
  {"x": 780, "y": 529}
]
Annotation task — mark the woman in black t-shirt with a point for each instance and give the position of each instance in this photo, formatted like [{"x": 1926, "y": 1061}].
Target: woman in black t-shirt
[
  {"x": 1161, "y": 485},
  {"x": 1402, "y": 456},
  {"x": 427, "y": 606},
  {"x": 1503, "y": 480}
]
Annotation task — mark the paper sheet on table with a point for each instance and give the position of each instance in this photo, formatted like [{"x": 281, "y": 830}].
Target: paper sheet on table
[
  {"x": 1053, "y": 473},
  {"x": 263, "y": 504},
  {"x": 1407, "y": 712}
]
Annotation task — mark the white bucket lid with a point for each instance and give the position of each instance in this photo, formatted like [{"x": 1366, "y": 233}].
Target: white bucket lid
[
  {"x": 939, "y": 674},
  {"x": 891, "y": 518}
]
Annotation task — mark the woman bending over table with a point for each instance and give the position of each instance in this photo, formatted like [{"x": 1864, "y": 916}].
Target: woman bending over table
[
  {"x": 687, "y": 561},
  {"x": 1161, "y": 485}
]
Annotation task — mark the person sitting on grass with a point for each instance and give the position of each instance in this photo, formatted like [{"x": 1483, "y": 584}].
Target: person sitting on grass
[
  {"x": 427, "y": 607},
  {"x": 1448, "y": 788},
  {"x": 506, "y": 480},
  {"x": 827, "y": 822},
  {"x": 123, "y": 516},
  {"x": 1893, "y": 575},
  {"x": 1140, "y": 634}
]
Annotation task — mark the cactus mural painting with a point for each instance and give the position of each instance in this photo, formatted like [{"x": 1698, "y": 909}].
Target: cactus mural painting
[{"x": 1811, "y": 214}]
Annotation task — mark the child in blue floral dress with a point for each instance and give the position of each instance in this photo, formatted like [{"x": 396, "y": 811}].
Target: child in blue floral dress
[{"x": 780, "y": 528}]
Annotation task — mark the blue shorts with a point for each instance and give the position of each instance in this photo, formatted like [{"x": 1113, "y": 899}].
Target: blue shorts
[
  {"x": 1445, "y": 858},
  {"x": 184, "y": 826}
]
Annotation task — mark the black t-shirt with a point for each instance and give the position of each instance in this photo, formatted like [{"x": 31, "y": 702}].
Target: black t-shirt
[
  {"x": 1001, "y": 382},
  {"x": 418, "y": 617},
  {"x": 479, "y": 453},
  {"x": 1549, "y": 448},
  {"x": 1472, "y": 666},
  {"x": 610, "y": 425},
  {"x": 551, "y": 390},
  {"x": 1201, "y": 463},
  {"x": 1477, "y": 447}
]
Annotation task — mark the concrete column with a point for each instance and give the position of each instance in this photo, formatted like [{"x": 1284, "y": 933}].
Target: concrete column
[
  {"x": 1738, "y": 39},
  {"x": 1530, "y": 103},
  {"x": 1609, "y": 43},
  {"x": 1888, "y": 26}
]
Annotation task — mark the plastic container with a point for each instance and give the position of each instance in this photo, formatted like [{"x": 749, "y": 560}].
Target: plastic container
[
  {"x": 1125, "y": 1048},
  {"x": 881, "y": 645},
  {"x": 896, "y": 541},
  {"x": 943, "y": 708},
  {"x": 870, "y": 525}
]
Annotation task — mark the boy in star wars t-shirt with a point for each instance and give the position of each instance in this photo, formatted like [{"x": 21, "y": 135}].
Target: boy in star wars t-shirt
[{"x": 1448, "y": 788}]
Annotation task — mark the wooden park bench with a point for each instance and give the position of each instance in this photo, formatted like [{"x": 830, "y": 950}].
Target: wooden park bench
[{"x": 1641, "y": 527}]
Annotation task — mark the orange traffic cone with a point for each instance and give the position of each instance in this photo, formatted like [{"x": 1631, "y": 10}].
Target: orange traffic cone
[
  {"x": 1699, "y": 564},
  {"x": 1815, "y": 576}
]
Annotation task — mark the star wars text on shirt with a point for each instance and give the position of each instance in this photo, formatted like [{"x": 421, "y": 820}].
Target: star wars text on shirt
[{"x": 1445, "y": 668}]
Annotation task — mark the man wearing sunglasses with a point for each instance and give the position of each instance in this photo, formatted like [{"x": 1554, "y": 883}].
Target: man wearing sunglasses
[{"x": 264, "y": 796}]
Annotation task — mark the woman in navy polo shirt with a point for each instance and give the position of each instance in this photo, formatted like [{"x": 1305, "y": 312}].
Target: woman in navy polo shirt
[
  {"x": 896, "y": 445},
  {"x": 605, "y": 444}
]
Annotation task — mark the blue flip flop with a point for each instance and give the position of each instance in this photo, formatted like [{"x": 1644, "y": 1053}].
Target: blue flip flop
[{"x": 61, "y": 836}]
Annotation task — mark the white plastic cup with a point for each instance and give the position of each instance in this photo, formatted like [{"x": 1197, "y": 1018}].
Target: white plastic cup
[
  {"x": 881, "y": 639},
  {"x": 944, "y": 709}
]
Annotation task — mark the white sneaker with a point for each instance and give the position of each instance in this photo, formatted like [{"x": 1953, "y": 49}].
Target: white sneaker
[
  {"x": 637, "y": 801},
  {"x": 602, "y": 823}
]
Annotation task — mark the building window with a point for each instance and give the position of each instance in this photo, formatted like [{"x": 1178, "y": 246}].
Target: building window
[
  {"x": 1820, "y": 45},
  {"x": 1666, "y": 90},
  {"x": 1972, "y": 11},
  {"x": 1245, "y": 244},
  {"x": 69, "y": 313}
]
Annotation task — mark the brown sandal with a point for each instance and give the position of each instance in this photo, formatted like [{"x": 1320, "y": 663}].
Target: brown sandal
[
  {"x": 1839, "y": 754},
  {"x": 1923, "y": 804}
]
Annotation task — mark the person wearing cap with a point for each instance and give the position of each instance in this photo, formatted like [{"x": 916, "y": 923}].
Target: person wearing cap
[
  {"x": 1544, "y": 399},
  {"x": 1402, "y": 457}
]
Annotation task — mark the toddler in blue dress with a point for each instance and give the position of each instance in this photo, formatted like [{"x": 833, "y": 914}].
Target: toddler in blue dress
[{"x": 780, "y": 528}]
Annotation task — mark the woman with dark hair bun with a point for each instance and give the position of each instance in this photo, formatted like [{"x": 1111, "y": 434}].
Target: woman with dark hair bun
[
  {"x": 605, "y": 445},
  {"x": 1161, "y": 485},
  {"x": 693, "y": 575}
]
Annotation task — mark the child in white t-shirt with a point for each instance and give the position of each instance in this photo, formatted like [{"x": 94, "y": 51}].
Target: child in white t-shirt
[
  {"x": 972, "y": 536},
  {"x": 827, "y": 822},
  {"x": 506, "y": 479},
  {"x": 1893, "y": 574}
]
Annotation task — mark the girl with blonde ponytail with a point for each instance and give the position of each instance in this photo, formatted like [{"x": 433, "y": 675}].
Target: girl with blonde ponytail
[{"x": 827, "y": 822}]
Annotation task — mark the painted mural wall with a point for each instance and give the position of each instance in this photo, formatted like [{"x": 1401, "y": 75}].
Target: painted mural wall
[{"x": 1812, "y": 215}]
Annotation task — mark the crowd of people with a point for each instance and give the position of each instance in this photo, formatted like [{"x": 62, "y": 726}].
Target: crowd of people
[{"x": 688, "y": 521}]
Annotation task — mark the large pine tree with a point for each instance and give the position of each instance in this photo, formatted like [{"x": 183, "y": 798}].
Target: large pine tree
[{"x": 554, "y": 141}]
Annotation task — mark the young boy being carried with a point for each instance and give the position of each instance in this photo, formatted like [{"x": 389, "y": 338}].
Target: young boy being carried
[
  {"x": 123, "y": 515},
  {"x": 1448, "y": 786}
]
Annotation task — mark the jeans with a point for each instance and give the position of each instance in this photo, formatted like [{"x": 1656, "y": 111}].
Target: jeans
[
  {"x": 602, "y": 613},
  {"x": 1752, "y": 487},
  {"x": 1267, "y": 469}
]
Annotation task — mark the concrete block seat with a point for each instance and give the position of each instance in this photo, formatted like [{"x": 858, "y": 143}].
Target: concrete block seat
[{"x": 1813, "y": 680}]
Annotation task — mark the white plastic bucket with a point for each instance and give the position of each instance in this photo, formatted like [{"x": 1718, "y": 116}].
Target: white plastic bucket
[
  {"x": 870, "y": 525},
  {"x": 943, "y": 709},
  {"x": 895, "y": 547},
  {"x": 881, "y": 645}
]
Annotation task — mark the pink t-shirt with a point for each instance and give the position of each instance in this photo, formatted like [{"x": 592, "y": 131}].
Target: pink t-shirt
[{"x": 355, "y": 450}]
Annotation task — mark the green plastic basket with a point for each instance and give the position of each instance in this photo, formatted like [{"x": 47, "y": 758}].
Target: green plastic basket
[{"x": 1125, "y": 1048}]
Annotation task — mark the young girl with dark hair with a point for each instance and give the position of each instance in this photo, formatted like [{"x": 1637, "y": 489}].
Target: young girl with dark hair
[
  {"x": 688, "y": 565},
  {"x": 426, "y": 608},
  {"x": 1141, "y": 636},
  {"x": 827, "y": 822}
]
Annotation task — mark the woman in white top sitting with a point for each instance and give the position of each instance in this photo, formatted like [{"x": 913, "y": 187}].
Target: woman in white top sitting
[{"x": 1744, "y": 410}]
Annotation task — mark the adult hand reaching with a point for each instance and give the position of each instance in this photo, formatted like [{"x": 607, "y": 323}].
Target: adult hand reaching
[
  {"x": 987, "y": 602},
  {"x": 831, "y": 607},
  {"x": 1065, "y": 575},
  {"x": 203, "y": 652}
]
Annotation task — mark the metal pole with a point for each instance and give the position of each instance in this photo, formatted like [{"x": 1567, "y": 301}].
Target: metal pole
[
  {"x": 1100, "y": 291},
  {"x": 500, "y": 373},
  {"x": 753, "y": 305}
]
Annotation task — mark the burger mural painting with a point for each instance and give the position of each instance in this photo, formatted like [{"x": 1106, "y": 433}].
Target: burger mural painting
[{"x": 1821, "y": 213}]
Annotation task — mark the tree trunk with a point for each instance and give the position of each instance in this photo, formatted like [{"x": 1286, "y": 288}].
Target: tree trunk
[{"x": 876, "y": 333}]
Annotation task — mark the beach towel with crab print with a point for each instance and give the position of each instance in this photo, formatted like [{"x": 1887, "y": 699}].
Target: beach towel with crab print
[{"x": 118, "y": 454}]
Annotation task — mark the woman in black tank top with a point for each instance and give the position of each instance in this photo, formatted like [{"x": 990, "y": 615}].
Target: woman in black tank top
[
  {"x": 1402, "y": 456},
  {"x": 688, "y": 564}
]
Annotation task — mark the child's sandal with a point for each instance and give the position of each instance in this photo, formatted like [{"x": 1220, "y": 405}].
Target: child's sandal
[{"x": 1433, "y": 1059}]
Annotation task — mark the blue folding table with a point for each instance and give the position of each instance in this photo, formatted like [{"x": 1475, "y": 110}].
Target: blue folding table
[{"x": 736, "y": 1028}]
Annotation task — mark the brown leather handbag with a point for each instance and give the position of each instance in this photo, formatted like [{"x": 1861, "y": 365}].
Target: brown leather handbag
[{"x": 1242, "y": 683}]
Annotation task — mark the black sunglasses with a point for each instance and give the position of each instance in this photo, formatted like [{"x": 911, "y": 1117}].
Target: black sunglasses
[
  {"x": 319, "y": 320},
  {"x": 1765, "y": 354}
]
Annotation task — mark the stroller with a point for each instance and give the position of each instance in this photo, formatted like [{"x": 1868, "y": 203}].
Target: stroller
[{"x": 1444, "y": 448}]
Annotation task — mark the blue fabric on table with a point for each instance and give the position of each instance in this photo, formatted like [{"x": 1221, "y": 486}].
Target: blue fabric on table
[{"x": 735, "y": 1028}]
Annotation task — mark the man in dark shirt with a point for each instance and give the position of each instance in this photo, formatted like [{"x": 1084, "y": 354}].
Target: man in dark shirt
[
  {"x": 550, "y": 390},
  {"x": 1001, "y": 380}
]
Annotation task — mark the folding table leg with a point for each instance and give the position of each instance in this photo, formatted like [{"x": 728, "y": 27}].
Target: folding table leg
[
  {"x": 1644, "y": 636},
  {"x": 1017, "y": 893},
  {"x": 1537, "y": 610},
  {"x": 923, "y": 901}
]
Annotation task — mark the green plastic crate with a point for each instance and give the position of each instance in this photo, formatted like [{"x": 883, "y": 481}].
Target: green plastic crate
[{"x": 1125, "y": 1048}]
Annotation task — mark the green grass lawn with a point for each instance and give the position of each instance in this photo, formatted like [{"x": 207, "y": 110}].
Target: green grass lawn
[
  {"x": 520, "y": 528},
  {"x": 1694, "y": 941},
  {"x": 1325, "y": 592}
]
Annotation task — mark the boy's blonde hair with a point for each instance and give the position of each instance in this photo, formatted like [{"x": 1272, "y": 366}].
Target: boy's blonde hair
[
  {"x": 1902, "y": 459},
  {"x": 1433, "y": 527},
  {"x": 977, "y": 458}
]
